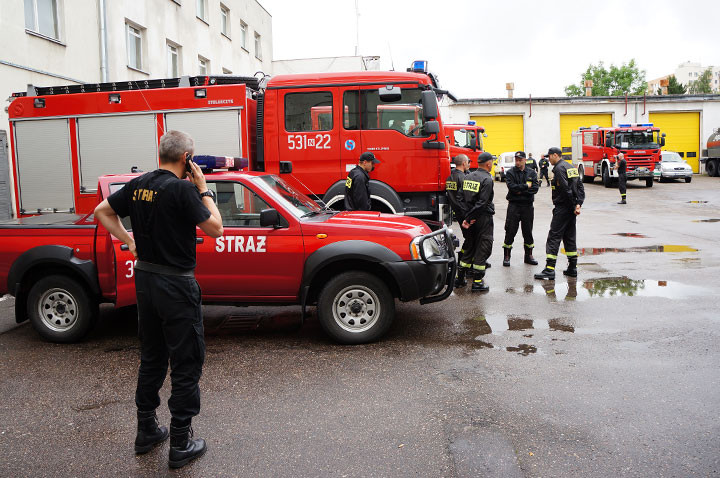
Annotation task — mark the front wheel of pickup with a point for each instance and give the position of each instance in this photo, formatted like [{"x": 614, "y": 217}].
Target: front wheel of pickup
[
  {"x": 60, "y": 309},
  {"x": 355, "y": 308}
]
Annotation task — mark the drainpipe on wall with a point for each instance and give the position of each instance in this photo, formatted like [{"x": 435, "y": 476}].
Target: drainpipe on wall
[{"x": 104, "y": 75}]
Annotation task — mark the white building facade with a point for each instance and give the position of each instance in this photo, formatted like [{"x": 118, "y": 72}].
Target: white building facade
[
  {"x": 686, "y": 73},
  {"x": 60, "y": 42}
]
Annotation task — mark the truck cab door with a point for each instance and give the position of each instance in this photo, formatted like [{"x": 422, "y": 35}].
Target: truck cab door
[
  {"x": 249, "y": 263},
  {"x": 350, "y": 139},
  {"x": 308, "y": 138},
  {"x": 124, "y": 268}
]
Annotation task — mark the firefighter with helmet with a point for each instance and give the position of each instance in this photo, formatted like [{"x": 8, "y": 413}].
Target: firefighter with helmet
[
  {"x": 478, "y": 195},
  {"x": 568, "y": 195}
]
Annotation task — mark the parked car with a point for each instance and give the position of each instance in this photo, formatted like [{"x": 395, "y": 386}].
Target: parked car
[
  {"x": 672, "y": 166},
  {"x": 505, "y": 161}
]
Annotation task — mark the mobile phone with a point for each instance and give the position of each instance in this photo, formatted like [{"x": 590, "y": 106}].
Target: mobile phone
[{"x": 188, "y": 160}]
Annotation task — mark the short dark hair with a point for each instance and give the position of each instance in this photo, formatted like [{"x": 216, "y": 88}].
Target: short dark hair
[{"x": 460, "y": 159}]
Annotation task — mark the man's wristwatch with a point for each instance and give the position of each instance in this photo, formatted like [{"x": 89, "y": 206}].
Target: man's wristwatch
[{"x": 209, "y": 193}]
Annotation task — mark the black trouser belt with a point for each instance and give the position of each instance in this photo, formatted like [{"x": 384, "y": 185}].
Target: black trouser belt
[{"x": 164, "y": 270}]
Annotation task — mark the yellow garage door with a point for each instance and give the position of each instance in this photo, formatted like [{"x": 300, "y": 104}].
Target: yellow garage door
[
  {"x": 504, "y": 133},
  {"x": 570, "y": 123},
  {"x": 683, "y": 134}
]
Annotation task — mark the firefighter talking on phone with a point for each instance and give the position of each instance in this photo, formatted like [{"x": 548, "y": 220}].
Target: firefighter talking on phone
[{"x": 164, "y": 210}]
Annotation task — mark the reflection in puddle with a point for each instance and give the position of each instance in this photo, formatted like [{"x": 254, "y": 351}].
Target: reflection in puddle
[
  {"x": 562, "y": 324},
  {"x": 594, "y": 251},
  {"x": 523, "y": 349},
  {"x": 630, "y": 234},
  {"x": 697, "y": 202},
  {"x": 605, "y": 287},
  {"x": 706, "y": 220}
]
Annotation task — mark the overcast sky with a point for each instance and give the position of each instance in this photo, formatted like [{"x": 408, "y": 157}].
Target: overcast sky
[{"x": 475, "y": 47}]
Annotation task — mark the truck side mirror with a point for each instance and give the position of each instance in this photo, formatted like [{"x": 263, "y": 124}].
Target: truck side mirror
[
  {"x": 484, "y": 135},
  {"x": 430, "y": 105},
  {"x": 473, "y": 144},
  {"x": 662, "y": 140},
  {"x": 269, "y": 218},
  {"x": 432, "y": 127},
  {"x": 389, "y": 94}
]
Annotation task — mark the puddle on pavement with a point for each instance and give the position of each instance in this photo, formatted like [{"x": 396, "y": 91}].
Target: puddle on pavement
[
  {"x": 630, "y": 234},
  {"x": 523, "y": 349},
  {"x": 606, "y": 287},
  {"x": 697, "y": 202},
  {"x": 594, "y": 251},
  {"x": 706, "y": 220},
  {"x": 481, "y": 328}
]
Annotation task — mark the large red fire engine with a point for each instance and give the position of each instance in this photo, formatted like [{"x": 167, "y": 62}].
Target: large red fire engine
[
  {"x": 466, "y": 139},
  {"x": 594, "y": 150},
  {"x": 308, "y": 128}
]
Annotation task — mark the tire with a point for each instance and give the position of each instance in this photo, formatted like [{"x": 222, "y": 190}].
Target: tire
[
  {"x": 60, "y": 309},
  {"x": 711, "y": 166},
  {"x": 347, "y": 325},
  {"x": 688, "y": 179},
  {"x": 649, "y": 182},
  {"x": 606, "y": 179}
]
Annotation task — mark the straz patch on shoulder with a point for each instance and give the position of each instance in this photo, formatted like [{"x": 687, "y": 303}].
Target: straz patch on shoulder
[
  {"x": 473, "y": 186},
  {"x": 348, "y": 183},
  {"x": 572, "y": 173},
  {"x": 451, "y": 186}
]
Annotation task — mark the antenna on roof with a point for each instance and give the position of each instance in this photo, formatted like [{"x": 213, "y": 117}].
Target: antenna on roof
[{"x": 392, "y": 63}]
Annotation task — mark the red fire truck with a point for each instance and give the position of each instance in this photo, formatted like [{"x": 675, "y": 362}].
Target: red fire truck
[
  {"x": 466, "y": 139},
  {"x": 594, "y": 150},
  {"x": 308, "y": 128}
]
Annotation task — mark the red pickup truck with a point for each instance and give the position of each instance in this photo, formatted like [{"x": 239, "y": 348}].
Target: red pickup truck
[{"x": 279, "y": 247}]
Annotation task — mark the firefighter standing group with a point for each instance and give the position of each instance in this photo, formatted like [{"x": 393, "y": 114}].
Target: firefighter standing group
[{"x": 471, "y": 198}]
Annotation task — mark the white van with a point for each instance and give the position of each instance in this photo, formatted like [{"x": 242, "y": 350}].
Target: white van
[{"x": 505, "y": 161}]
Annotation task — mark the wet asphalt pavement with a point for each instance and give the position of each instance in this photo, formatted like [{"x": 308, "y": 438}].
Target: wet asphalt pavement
[{"x": 613, "y": 374}]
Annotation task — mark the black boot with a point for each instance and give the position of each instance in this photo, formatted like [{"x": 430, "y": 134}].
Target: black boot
[
  {"x": 460, "y": 279},
  {"x": 479, "y": 284},
  {"x": 183, "y": 448},
  {"x": 571, "y": 271},
  {"x": 506, "y": 256},
  {"x": 149, "y": 433},
  {"x": 529, "y": 259},
  {"x": 549, "y": 272},
  {"x": 622, "y": 199}
]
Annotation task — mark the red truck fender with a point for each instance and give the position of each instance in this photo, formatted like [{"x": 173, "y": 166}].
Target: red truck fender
[{"x": 51, "y": 256}]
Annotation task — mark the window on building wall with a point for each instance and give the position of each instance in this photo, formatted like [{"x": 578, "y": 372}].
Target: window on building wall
[
  {"x": 258, "y": 46},
  {"x": 243, "y": 34},
  {"x": 225, "y": 20},
  {"x": 134, "y": 46},
  {"x": 201, "y": 10},
  {"x": 203, "y": 66},
  {"x": 226, "y": 71},
  {"x": 173, "y": 60},
  {"x": 42, "y": 16}
]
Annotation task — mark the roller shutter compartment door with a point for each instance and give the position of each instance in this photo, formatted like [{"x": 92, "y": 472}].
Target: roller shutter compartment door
[
  {"x": 216, "y": 133},
  {"x": 683, "y": 134},
  {"x": 44, "y": 172},
  {"x": 571, "y": 122},
  {"x": 113, "y": 145},
  {"x": 505, "y": 133}
]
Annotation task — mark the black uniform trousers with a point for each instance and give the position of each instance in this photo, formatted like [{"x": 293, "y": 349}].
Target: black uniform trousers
[
  {"x": 478, "y": 244},
  {"x": 170, "y": 327},
  {"x": 562, "y": 228},
  {"x": 622, "y": 184},
  {"x": 465, "y": 234},
  {"x": 519, "y": 215},
  {"x": 544, "y": 174}
]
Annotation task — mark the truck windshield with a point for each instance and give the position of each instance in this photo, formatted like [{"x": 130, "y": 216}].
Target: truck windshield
[
  {"x": 638, "y": 139},
  {"x": 292, "y": 199}
]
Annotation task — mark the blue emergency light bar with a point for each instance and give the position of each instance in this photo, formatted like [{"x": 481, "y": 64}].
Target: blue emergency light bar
[
  {"x": 420, "y": 66},
  {"x": 634, "y": 125},
  {"x": 471, "y": 123},
  {"x": 207, "y": 162}
]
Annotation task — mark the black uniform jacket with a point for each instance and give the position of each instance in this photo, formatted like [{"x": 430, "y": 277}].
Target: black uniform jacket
[
  {"x": 453, "y": 187},
  {"x": 357, "y": 190},
  {"x": 522, "y": 185},
  {"x": 478, "y": 194},
  {"x": 567, "y": 189},
  {"x": 544, "y": 163},
  {"x": 530, "y": 163},
  {"x": 622, "y": 166}
]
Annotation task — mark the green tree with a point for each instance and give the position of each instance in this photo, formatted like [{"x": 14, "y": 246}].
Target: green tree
[
  {"x": 613, "y": 81},
  {"x": 702, "y": 84},
  {"x": 675, "y": 87}
]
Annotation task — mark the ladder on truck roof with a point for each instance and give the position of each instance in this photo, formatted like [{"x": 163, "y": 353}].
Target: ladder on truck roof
[{"x": 183, "y": 82}]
